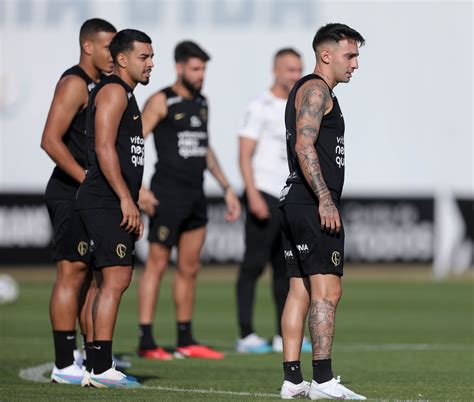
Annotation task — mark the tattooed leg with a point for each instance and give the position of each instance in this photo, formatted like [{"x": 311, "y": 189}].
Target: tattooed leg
[{"x": 321, "y": 327}]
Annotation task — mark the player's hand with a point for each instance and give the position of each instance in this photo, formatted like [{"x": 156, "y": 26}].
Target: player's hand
[
  {"x": 233, "y": 206},
  {"x": 131, "y": 220},
  {"x": 147, "y": 201},
  {"x": 329, "y": 215},
  {"x": 257, "y": 205}
]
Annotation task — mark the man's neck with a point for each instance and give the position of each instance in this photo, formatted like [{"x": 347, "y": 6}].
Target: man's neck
[
  {"x": 325, "y": 76},
  {"x": 89, "y": 69},
  {"x": 181, "y": 90},
  {"x": 279, "y": 92}
]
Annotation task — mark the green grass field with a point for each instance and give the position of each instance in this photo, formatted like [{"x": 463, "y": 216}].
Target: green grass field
[{"x": 398, "y": 337}]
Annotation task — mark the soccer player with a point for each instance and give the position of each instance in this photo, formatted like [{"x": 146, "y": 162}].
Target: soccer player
[
  {"x": 264, "y": 169},
  {"x": 178, "y": 117},
  {"x": 63, "y": 139},
  {"x": 107, "y": 198},
  {"x": 313, "y": 235}
]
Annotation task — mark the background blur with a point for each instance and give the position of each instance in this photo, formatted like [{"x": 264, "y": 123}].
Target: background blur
[{"x": 408, "y": 112}]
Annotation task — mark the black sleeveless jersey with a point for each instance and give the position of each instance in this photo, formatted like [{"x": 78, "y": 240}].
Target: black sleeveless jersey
[
  {"x": 329, "y": 147},
  {"x": 181, "y": 142},
  {"x": 95, "y": 191},
  {"x": 61, "y": 185}
]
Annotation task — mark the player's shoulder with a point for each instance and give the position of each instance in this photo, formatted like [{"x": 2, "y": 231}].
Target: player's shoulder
[
  {"x": 315, "y": 86},
  {"x": 158, "y": 98},
  {"x": 73, "y": 81},
  {"x": 112, "y": 93},
  {"x": 313, "y": 91}
]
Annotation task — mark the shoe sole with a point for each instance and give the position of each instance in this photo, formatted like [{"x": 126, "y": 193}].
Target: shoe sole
[
  {"x": 59, "y": 380},
  {"x": 179, "y": 355},
  {"x": 96, "y": 384}
]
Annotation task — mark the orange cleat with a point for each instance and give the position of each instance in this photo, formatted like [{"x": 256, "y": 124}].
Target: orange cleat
[
  {"x": 198, "y": 352},
  {"x": 155, "y": 354}
]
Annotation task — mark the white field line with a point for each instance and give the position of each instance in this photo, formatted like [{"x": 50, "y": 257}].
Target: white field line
[{"x": 37, "y": 374}]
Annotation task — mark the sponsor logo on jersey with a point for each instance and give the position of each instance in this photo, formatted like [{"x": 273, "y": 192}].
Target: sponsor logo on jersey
[
  {"x": 82, "y": 248},
  {"x": 91, "y": 86},
  {"x": 121, "y": 250},
  {"x": 336, "y": 258},
  {"x": 136, "y": 116},
  {"x": 179, "y": 116},
  {"x": 129, "y": 95},
  {"x": 302, "y": 248},
  {"x": 195, "y": 121}
]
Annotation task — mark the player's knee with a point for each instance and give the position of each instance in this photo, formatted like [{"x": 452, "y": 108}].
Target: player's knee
[{"x": 189, "y": 269}]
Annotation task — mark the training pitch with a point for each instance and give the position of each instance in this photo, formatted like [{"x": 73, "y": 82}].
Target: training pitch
[{"x": 399, "y": 336}]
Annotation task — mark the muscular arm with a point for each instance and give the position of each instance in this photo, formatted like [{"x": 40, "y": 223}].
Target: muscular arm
[
  {"x": 111, "y": 103},
  {"x": 312, "y": 101},
  {"x": 154, "y": 111},
  {"x": 70, "y": 98}
]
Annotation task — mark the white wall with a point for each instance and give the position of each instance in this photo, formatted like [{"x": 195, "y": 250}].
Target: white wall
[{"x": 408, "y": 110}]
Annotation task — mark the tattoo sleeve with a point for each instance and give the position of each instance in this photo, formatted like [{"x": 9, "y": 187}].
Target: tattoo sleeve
[
  {"x": 310, "y": 106},
  {"x": 321, "y": 327}
]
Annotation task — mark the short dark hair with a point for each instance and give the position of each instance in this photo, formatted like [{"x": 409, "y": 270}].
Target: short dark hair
[
  {"x": 94, "y": 26},
  {"x": 187, "y": 49},
  {"x": 336, "y": 32},
  {"x": 123, "y": 41},
  {"x": 284, "y": 52}
]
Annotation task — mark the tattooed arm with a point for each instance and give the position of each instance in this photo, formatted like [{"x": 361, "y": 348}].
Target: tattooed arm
[{"x": 313, "y": 100}]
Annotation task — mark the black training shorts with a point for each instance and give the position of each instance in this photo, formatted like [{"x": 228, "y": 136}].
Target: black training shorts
[
  {"x": 70, "y": 240},
  {"x": 309, "y": 250},
  {"x": 110, "y": 244},
  {"x": 175, "y": 214}
]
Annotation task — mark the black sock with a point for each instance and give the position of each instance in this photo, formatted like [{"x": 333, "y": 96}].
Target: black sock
[
  {"x": 292, "y": 371},
  {"x": 322, "y": 370},
  {"x": 185, "y": 338},
  {"x": 245, "y": 330},
  {"x": 102, "y": 356},
  {"x": 64, "y": 345},
  {"x": 145, "y": 336},
  {"x": 89, "y": 363}
]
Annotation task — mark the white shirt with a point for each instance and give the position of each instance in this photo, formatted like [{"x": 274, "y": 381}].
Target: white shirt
[{"x": 264, "y": 122}]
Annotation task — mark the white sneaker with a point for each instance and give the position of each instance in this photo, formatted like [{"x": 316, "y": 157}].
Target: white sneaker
[
  {"x": 68, "y": 375},
  {"x": 253, "y": 344},
  {"x": 277, "y": 344},
  {"x": 113, "y": 378},
  {"x": 294, "y": 391},
  {"x": 332, "y": 389},
  {"x": 86, "y": 379}
]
